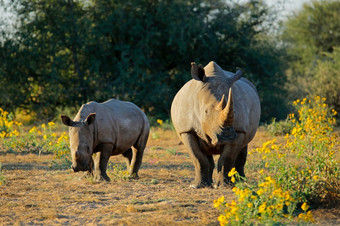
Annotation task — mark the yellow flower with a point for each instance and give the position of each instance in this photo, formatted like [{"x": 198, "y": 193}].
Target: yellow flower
[
  {"x": 316, "y": 177},
  {"x": 250, "y": 205},
  {"x": 304, "y": 207},
  {"x": 260, "y": 191},
  {"x": 233, "y": 179},
  {"x": 218, "y": 202},
  {"x": 287, "y": 196},
  {"x": 32, "y": 130},
  {"x": 279, "y": 207},
  {"x": 45, "y": 137},
  {"x": 43, "y": 125},
  {"x": 310, "y": 216},
  {"x": 262, "y": 207},
  {"x": 232, "y": 172},
  {"x": 160, "y": 121},
  {"x": 51, "y": 123},
  {"x": 234, "y": 209},
  {"x": 222, "y": 219}
]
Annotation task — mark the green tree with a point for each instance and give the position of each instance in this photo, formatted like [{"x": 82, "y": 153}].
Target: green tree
[
  {"x": 311, "y": 37},
  {"x": 325, "y": 81},
  {"x": 65, "y": 53}
]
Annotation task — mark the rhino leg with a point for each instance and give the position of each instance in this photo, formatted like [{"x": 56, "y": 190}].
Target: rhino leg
[
  {"x": 201, "y": 161},
  {"x": 227, "y": 160},
  {"x": 211, "y": 167},
  {"x": 128, "y": 157},
  {"x": 136, "y": 161},
  {"x": 102, "y": 158},
  {"x": 241, "y": 161}
]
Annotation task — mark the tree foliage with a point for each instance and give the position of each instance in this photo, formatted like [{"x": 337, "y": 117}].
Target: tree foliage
[
  {"x": 313, "y": 40},
  {"x": 65, "y": 53}
]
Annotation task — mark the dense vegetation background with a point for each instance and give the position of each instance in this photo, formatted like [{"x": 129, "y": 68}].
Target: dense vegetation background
[{"x": 61, "y": 54}]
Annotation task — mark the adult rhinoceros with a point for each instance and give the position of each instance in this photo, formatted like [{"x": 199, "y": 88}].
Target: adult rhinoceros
[
  {"x": 110, "y": 128},
  {"x": 208, "y": 125}
]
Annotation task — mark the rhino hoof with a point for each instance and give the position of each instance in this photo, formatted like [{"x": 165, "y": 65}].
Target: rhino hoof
[
  {"x": 100, "y": 178},
  {"x": 200, "y": 185},
  {"x": 134, "y": 177},
  {"x": 225, "y": 184},
  {"x": 194, "y": 186}
]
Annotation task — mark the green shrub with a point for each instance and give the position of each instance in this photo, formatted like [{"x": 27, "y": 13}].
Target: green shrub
[{"x": 280, "y": 127}]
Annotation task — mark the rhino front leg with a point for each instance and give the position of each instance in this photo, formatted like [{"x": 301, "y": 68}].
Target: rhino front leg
[
  {"x": 102, "y": 158},
  {"x": 203, "y": 177},
  {"x": 211, "y": 168},
  {"x": 227, "y": 161},
  {"x": 241, "y": 161}
]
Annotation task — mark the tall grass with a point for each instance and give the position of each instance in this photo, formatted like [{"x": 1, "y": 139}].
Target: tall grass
[{"x": 301, "y": 172}]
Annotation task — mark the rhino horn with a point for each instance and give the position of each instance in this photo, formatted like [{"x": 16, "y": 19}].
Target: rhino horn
[
  {"x": 236, "y": 76},
  {"x": 227, "y": 114},
  {"x": 220, "y": 105}
]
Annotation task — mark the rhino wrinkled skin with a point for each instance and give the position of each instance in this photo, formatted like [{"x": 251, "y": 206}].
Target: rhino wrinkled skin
[
  {"x": 217, "y": 112},
  {"x": 110, "y": 128}
]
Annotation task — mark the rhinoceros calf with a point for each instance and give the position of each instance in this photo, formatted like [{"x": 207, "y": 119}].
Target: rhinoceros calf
[
  {"x": 208, "y": 125},
  {"x": 110, "y": 128}
]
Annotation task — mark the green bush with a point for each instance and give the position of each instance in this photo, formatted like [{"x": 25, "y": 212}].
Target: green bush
[{"x": 279, "y": 128}]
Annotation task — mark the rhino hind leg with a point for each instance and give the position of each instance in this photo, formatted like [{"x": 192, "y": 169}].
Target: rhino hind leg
[
  {"x": 128, "y": 158},
  {"x": 102, "y": 158},
  {"x": 202, "y": 163},
  {"x": 241, "y": 161}
]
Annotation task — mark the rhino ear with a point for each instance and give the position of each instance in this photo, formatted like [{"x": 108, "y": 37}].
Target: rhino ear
[
  {"x": 90, "y": 118},
  {"x": 238, "y": 74},
  {"x": 66, "y": 120},
  {"x": 197, "y": 72}
]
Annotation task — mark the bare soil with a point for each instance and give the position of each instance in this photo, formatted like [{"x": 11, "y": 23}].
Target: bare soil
[{"x": 35, "y": 194}]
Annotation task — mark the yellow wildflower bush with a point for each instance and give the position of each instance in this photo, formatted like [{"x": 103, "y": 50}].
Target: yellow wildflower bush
[
  {"x": 62, "y": 157},
  {"x": 301, "y": 170},
  {"x": 37, "y": 139},
  {"x": 8, "y": 127},
  {"x": 265, "y": 203}
]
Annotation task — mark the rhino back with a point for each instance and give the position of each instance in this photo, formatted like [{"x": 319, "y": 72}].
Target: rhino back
[{"x": 120, "y": 123}]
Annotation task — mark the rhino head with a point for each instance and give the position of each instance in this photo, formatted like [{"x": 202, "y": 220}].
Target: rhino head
[
  {"x": 215, "y": 113},
  {"x": 81, "y": 142}
]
